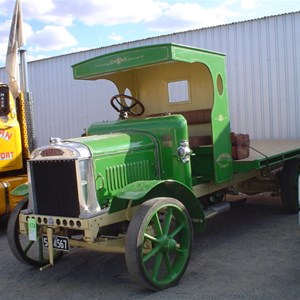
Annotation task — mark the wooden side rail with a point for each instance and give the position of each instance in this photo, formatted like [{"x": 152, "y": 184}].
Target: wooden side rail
[{"x": 200, "y": 116}]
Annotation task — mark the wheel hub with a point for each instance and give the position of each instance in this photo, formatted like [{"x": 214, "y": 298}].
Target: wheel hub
[
  {"x": 171, "y": 245},
  {"x": 168, "y": 244}
]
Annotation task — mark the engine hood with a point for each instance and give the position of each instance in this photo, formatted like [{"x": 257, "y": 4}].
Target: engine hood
[
  {"x": 92, "y": 146},
  {"x": 116, "y": 142}
]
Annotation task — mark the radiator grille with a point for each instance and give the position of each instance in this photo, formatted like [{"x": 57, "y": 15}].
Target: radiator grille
[{"x": 54, "y": 187}]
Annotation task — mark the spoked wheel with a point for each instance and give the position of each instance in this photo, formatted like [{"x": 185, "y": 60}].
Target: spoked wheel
[
  {"x": 290, "y": 185},
  {"x": 26, "y": 251},
  {"x": 158, "y": 243}
]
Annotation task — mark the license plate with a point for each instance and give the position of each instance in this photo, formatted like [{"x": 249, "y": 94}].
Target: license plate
[{"x": 59, "y": 242}]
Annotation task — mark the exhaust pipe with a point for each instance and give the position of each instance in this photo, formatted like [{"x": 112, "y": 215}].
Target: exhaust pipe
[
  {"x": 216, "y": 209},
  {"x": 28, "y": 104}
]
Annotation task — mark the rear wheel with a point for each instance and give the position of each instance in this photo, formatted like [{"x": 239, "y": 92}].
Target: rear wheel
[
  {"x": 290, "y": 183},
  {"x": 158, "y": 243},
  {"x": 26, "y": 251}
]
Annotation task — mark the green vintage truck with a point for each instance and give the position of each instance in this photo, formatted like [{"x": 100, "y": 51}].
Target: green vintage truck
[{"x": 142, "y": 185}]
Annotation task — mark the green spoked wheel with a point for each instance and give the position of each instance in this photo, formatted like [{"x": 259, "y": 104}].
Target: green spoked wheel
[
  {"x": 158, "y": 243},
  {"x": 26, "y": 251},
  {"x": 290, "y": 185}
]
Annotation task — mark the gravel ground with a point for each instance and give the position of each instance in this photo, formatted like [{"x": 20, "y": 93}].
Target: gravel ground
[{"x": 249, "y": 252}]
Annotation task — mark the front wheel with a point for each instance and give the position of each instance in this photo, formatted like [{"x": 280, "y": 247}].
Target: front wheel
[
  {"x": 26, "y": 251},
  {"x": 158, "y": 243},
  {"x": 290, "y": 184}
]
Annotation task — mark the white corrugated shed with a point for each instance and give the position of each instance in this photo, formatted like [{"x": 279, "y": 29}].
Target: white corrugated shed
[{"x": 263, "y": 67}]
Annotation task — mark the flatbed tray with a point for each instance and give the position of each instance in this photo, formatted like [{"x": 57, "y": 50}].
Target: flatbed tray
[{"x": 267, "y": 153}]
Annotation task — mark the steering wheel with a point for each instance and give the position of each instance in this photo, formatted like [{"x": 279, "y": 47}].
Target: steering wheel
[{"x": 125, "y": 109}]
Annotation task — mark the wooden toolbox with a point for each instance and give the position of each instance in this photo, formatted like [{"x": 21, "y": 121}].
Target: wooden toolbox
[{"x": 240, "y": 146}]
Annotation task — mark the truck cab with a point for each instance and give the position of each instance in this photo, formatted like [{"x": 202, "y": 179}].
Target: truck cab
[{"x": 170, "y": 80}]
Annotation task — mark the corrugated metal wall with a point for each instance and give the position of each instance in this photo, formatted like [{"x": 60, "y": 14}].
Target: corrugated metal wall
[{"x": 263, "y": 67}]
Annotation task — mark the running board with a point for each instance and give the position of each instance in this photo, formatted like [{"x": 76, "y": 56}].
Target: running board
[{"x": 216, "y": 209}]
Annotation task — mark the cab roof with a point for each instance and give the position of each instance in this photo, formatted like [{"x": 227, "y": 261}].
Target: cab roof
[{"x": 125, "y": 60}]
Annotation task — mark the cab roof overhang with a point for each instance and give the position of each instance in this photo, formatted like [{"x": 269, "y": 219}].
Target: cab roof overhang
[{"x": 101, "y": 67}]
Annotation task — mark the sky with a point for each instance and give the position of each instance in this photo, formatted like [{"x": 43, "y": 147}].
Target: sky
[{"x": 56, "y": 27}]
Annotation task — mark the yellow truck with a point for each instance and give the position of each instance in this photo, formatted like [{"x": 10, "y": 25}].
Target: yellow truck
[{"x": 13, "y": 148}]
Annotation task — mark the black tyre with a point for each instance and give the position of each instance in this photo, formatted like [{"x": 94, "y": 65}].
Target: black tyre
[
  {"x": 290, "y": 183},
  {"x": 158, "y": 243},
  {"x": 26, "y": 251}
]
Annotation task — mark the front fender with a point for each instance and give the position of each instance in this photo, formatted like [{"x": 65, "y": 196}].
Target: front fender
[
  {"x": 141, "y": 191},
  {"x": 21, "y": 190}
]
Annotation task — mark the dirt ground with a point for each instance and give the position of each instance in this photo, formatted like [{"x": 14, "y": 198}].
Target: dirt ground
[{"x": 250, "y": 252}]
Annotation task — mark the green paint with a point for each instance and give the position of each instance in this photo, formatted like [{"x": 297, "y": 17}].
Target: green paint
[{"x": 20, "y": 190}]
